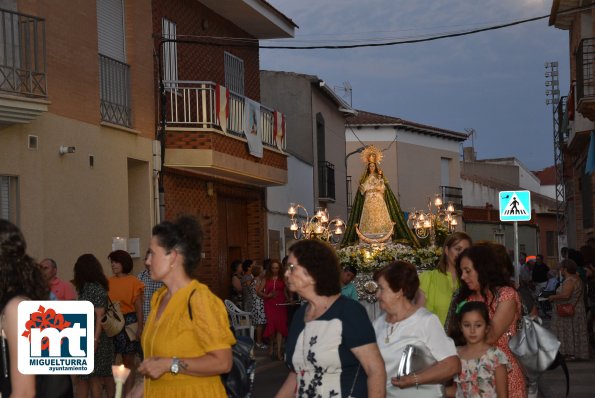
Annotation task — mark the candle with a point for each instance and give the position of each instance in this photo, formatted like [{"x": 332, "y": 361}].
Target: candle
[{"x": 120, "y": 375}]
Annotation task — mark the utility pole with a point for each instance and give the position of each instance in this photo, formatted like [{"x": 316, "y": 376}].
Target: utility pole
[{"x": 552, "y": 94}]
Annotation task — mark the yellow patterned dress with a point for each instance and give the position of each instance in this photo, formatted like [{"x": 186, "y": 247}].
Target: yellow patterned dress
[
  {"x": 375, "y": 220},
  {"x": 175, "y": 334}
]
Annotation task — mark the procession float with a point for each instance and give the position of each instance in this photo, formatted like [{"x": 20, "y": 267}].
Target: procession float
[{"x": 377, "y": 232}]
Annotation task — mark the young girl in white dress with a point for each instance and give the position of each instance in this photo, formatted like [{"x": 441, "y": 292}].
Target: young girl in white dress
[{"x": 484, "y": 367}]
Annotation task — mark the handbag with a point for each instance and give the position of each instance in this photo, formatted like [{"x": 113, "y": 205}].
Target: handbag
[
  {"x": 534, "y": 346},
  {"x": 131, "y": 330},
  {"x": 414, "y": 359},
  {"x": 565, "y": 310},
  {"x": 238, "y": 382},
  {"x": 113, "y": 320}
]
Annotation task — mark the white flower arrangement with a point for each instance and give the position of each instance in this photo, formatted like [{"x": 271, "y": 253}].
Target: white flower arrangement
[{"x": 368, "y": 258}]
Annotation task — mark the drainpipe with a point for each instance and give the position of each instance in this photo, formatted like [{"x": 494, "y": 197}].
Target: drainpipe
[{"x": 161, "y": 133}]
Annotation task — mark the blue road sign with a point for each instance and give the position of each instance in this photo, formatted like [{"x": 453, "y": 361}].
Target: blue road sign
[{"x": 515, "y": 205}]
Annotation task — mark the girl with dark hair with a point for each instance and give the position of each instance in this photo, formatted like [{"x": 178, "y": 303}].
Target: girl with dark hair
[
  {"x": 128, "y": 290},
  {"x": 486, "y": 280},
  {"x": 91, "y": 285},
  {"x": 20, "y": 280},
  {"x": 187, "y": 339},
  {"x": 484, "y": 367}
]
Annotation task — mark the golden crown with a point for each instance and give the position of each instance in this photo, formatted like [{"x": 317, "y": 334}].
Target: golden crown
[{"x": 371, "y": 155}]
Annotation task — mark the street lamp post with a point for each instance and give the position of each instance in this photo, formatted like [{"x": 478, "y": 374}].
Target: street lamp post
[
  {"x": 358, "y": 150},
  {"x": 424, "y": 224}
]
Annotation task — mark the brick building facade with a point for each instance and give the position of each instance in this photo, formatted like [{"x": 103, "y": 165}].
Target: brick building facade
[{"x": 209, "y": 170}]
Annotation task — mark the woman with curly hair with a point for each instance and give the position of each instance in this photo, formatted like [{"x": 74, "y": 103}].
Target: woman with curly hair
[
  {"x": 91, "y": 285},
  {"x": 486, "y": 280},
  {"x": 187, "y": 340},
  {"x": 20, "y": 280}
]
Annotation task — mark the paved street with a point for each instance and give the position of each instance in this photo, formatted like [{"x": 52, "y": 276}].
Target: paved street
[
  {"x": 270, "y": 375},
  {"x": 582, "y": 381}
]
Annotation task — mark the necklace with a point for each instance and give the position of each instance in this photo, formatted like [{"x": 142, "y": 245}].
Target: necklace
[{"x": 393, "y": 327}]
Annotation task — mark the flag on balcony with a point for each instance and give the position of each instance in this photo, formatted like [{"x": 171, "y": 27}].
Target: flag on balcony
[
  {"x": 252, "y": 127},
  {"x": 279, "y": 132},
  {"x": 590, "y": 164},
  {"x": 222, "y": 105}
]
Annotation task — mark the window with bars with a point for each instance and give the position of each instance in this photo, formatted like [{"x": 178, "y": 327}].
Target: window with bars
[
  {"x": 234, "y": 73},
  {"x": 9, "y": 198},
  {"x": 170, "y": 53},
  {"x": 114, "y": 73}
]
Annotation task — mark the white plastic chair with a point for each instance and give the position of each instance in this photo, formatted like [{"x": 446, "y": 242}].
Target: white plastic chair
[{"x": 240, "y": 320}]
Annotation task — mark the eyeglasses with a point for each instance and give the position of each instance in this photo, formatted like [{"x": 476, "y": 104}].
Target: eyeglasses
[{"x": 291, "y": 267}]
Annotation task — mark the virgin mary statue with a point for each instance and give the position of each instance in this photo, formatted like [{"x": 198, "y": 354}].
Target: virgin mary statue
[{"x": 376, "y": 216}]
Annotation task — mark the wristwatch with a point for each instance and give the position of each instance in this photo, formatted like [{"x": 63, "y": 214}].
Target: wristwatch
[{"x": 175, "y": 366}]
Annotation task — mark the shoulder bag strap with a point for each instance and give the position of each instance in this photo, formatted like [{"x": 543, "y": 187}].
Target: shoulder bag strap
[
  {"x": 189, "y": 306},
  {"x": 354, "y": 380},
  {"x": 3, "y": 347}
]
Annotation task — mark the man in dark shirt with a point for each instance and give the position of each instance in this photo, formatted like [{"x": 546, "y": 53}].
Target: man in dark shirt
[{"x": 540, "y": 274}]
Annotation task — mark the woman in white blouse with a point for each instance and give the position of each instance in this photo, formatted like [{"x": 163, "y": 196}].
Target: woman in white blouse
[{"x": 405, "y": 323}]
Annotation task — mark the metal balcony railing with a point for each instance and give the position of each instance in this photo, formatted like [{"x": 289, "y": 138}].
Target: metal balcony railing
[
  {"x": 22, "y": 55},
  {"x": 192, "y": 104},
  {"x": 114, "y": 84},
  {"x": 585, "y": 78},
  {"x": 452, "y": 194},
  {"x": 326, "y": 181}
]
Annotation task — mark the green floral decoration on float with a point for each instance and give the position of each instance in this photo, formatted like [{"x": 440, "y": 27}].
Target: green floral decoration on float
[{"x": 368, "y": 258}]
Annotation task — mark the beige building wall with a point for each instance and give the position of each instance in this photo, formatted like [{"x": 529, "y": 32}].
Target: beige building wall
[
  {"x": 334, "y": 127},
  {"x": 413, "y": 171},
  {"x": 66, "y": 206}
]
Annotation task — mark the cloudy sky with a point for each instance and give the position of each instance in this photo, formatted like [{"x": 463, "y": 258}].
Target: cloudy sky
[{"x": 492, "y": 81}]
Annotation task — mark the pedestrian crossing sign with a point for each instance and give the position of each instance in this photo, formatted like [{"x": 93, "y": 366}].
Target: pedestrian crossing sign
[{"x": 515, "y": 205}]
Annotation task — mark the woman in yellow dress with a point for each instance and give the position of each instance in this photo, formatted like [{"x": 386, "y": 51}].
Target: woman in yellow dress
[{"x": 187, "y": 340}]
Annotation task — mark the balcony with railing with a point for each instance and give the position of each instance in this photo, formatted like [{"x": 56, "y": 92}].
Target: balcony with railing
[
  {"x": 453, "y": 195},
  {"x": 23, "y": 86},
  {"x": 205, "y": 133},
  {"x": 585, "y": 78},
  {"x": 114, "y": 91},
  {"x": 192, "y": 104},
  {"x": 326, "y": 181}
]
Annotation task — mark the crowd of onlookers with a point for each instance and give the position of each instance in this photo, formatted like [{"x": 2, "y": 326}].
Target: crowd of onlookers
[
  {"x": 571, "y": 281},
  {"x": 458, "y": 318},
  {"x": 462, "y": 313},
  {"x": 176, "y": 332}
]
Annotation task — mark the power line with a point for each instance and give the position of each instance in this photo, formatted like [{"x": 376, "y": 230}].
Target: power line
[
  {"x": 253, "y": 43},
  {"x": 411, "y": 41}
]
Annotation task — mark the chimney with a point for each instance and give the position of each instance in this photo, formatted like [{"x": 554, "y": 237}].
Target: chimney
[{"x": 468, "y": 154}]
